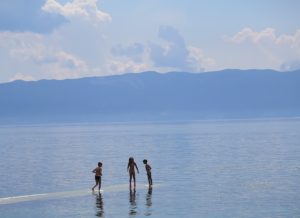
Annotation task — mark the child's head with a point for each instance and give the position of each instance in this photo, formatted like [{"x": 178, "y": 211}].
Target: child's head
[
  {"x": 131, "y": 160},
  {"x": 145, "y": 161},
  {"x": 99, "y": 164}
]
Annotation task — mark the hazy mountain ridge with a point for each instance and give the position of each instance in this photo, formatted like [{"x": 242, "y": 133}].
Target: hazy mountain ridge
[{"x": 154, "y": 96}]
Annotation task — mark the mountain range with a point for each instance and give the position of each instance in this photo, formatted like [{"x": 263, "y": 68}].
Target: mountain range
[{"x": 151, "y": 96}]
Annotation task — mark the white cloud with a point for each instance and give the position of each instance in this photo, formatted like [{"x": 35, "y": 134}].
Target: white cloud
[
  {"x": 172, "y": 55},
  {"x": 277, "y": 50},
  {"x": 23, "y": 39},
  {"x": 86, "y": 9},
  {"x": 51, "y": 61},
  {"x": 290, "y": 65},
  {"x": 198, "y": 60},
  {"x": 31, "y": 47},
  {"x": 175, "y": 53},
  {"x": 134, "y": 51},
  {"x": 126, "y": 66},
  {"x": 76, "y": 49},
  {"x": 22, "y": 76},
  {"x": 268, "y": 34},
  {"x": 129, "y": 58},
  {"x": 292, "y": 40},
  {"x": 255, "y": 37}
]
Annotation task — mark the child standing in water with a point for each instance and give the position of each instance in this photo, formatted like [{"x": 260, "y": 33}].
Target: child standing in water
[
  {"x": 148, "y": 170},
  {"x": 98, "y": 174},
  {"x": 130, "y": 169}
]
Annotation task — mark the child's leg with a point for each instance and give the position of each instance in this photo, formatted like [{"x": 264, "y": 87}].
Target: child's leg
[
  {"x": 130, "y": 178},
  {"x": 95, "y": 185},
  {"x": 149, "y": 181},
  {"x": 134, "y": 179},
  {"x": 99, "y": 183}
]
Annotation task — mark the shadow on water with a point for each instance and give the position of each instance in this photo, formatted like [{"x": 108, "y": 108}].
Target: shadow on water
[
  {"x": 148, "y": 203},
  {"x": 99, "y": 205},
  {"x": 133, "y": 204}
]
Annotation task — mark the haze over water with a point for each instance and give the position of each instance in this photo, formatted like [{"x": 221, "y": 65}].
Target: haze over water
[{"x": 245, "y": 168}]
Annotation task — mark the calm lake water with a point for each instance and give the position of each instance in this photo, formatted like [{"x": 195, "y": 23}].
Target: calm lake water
[{"x": 202, "y": 169}]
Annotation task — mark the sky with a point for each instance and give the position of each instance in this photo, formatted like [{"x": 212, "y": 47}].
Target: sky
[{"x": 60, "y": 39}]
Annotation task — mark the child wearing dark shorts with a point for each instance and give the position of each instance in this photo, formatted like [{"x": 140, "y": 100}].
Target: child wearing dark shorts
[{"x": 98, "y": 174}]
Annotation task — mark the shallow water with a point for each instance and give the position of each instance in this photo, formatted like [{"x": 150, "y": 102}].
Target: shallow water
[{"x": 209, "y": 169}]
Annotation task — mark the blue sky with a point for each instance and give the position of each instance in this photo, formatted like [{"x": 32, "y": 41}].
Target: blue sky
[{"x": 58, "y": 39}]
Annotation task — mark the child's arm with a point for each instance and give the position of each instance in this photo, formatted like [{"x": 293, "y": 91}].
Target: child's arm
[
  {"x": 94, "y": 170},
  {"x": 137, "y": 169}
]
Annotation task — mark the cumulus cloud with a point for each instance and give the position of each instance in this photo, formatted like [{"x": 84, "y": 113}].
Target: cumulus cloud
[
  {"x": 128, "y": 58},
  {"x": 119, "y": 66},
  {"x": 86, "y": 9},
  {"x": 247, "y": 34},
  {"x": 134, "y": 51},
  {"x": 31, "y": 47},
  {"x": 197, "y": 60},
  {"x": 292, "y": 40},
  {"x": 27, "y": 15},
  {"x": 75, "y": 49},
  {"x": 175, "y": 53},
  {"x": 22, "y": 76},
  {"x": 268, "y": 34},
  {"x": 279, "y": 49},
  {"x": 172, "y": 54},
  {"x": 44, "y": 16},
  {"x": 290, "y": 65}
]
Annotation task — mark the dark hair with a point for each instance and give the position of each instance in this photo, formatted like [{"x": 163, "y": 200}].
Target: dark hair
[
  {"x": 145, "y": 161},
  {"x": 99, "y": 164},
  {"x": 131, "y": 160}
]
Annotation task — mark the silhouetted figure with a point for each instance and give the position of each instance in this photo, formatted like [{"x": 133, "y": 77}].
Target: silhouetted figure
[
  {"x": 130, "y": 169},
  {"x": 98, "y": 174},
  {"x": 148, "y": 170}
]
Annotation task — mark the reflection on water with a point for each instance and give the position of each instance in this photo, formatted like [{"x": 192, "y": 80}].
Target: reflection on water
[
  {"x": 133, "y": 204},
  {"x": 148, "y": 203},
  {"x": 99, "y": 205},
  {"x": 228, "y": 169}
]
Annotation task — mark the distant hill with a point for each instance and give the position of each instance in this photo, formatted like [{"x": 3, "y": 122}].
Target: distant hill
[{"x": 153, "y": 96}]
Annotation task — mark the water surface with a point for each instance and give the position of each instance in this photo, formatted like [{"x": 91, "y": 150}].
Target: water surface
[{"x": 209, "y": 169}]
